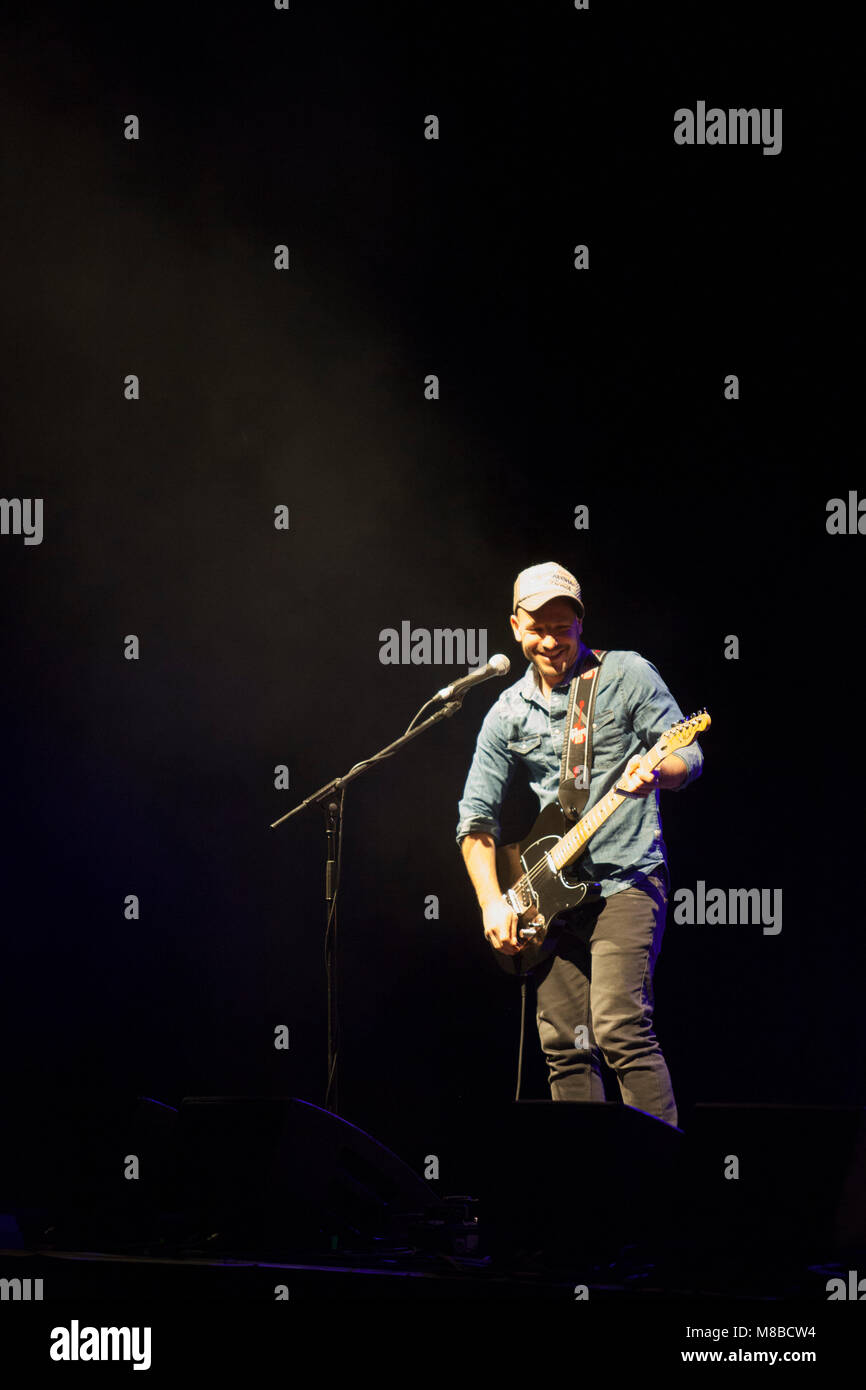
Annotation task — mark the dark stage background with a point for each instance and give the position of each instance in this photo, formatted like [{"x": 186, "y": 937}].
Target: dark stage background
[{"x": 305, "y": 387}]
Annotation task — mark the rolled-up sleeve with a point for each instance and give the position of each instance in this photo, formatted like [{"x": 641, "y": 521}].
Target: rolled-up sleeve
[
  {"x": 653, "y": 710},
  {"x": 489, "y": 776}
]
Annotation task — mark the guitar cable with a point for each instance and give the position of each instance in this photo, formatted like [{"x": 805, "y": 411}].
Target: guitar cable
[{"x": 522, "y": 1034}]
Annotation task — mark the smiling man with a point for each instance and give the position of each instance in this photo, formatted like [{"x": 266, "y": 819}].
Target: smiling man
[{"x": 594, "y": 992}]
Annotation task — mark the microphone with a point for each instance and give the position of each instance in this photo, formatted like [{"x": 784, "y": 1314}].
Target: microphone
[{"x": 498, "y": 665}]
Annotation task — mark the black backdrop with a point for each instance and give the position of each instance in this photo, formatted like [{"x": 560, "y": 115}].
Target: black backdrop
[{"x": 305, "y": 387}]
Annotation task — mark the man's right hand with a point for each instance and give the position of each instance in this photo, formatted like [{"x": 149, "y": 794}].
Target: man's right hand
[{"x": 500, "y": 927}]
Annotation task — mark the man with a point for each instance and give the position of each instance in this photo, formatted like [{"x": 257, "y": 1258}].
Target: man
[{"x": 594, "y": 993}]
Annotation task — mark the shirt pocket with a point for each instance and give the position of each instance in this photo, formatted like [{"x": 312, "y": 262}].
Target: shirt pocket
[{"x": 523, "y": 747}]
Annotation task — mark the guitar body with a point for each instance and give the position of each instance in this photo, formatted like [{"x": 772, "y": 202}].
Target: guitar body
[{"x": 551, "y": 893}]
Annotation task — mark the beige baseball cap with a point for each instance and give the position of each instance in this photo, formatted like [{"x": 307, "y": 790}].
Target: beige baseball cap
[{"x": 540, "y": 583}]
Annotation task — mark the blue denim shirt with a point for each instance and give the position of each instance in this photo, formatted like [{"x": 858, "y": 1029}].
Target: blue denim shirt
[{"x": 633, "y": 708}]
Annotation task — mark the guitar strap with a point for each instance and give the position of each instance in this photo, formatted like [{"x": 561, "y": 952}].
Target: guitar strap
[{"x": 577, "y": 745}]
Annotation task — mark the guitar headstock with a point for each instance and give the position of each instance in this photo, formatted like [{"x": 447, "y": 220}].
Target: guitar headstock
[{"x": 685, "y": 732}]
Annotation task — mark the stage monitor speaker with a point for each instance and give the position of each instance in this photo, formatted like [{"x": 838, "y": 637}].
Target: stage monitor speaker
[
  {"x": 767, "y": 1178},
  {"x": 571, "y": 1182},
  {"x": 278, "y": 1172}
]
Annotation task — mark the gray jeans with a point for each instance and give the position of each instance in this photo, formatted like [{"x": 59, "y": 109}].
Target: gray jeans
[{"x": 595, "y": 999}]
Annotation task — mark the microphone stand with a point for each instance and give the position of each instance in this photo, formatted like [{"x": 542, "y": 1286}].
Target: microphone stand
[{"x": 330, "y": 796}]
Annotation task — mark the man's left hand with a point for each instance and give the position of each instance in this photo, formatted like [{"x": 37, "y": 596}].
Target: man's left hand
[
  {"x": 670, "y": 773},
  {"x": 636, "y": 781}
]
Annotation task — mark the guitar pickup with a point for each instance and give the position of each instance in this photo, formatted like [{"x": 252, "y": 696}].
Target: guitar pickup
[{"x": 517, "y": 903}]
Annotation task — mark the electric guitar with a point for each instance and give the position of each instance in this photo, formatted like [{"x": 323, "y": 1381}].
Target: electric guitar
[{"x": 538, "y": 888}]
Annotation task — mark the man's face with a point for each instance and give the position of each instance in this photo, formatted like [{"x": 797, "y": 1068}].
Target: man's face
[{"x": 549, "y": 637}]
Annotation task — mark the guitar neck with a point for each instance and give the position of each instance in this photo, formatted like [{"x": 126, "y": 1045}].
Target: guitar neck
[{"x": 571, "y": 844}]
